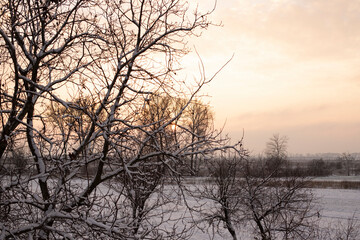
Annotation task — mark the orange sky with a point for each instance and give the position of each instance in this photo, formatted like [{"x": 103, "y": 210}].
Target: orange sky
[{"x": 295, "y": 71}]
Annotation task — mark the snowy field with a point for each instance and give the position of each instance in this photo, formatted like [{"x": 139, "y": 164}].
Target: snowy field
[
  {"x": 338, "y": 204},
  {"x": 339, "y": 178},
  {"x": 336, "y": 207}
]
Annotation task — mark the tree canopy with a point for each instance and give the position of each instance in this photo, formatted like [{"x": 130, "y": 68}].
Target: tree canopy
[{"x": 80, "y": 82}]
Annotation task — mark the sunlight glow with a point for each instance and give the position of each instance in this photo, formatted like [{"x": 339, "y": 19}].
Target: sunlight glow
[{"x": 295, "y": 68}]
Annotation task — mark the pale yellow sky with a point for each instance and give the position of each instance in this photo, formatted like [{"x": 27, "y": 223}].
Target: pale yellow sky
[{"x": 295, "y": 71}]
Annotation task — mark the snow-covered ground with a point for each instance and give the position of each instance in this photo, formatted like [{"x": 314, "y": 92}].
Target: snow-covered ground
[
  {"x": 338, "y": 204},
  {"x": 336, "y": 178},
  {"x": 336, "y": 207}
]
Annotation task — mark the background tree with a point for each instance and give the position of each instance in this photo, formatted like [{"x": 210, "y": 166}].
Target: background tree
[
  {"x": 276, "y": 153},
  {"x": 348, "y": 162},
  {"x": 222, "y": 190},
  {"x": 317, "y": 167},
  {"x": 278, "y": 208},
  {"x": 70, "y": 125},
  {"x": 348, "y": 230},
  {"x": 199, "y": 121},
  {"x": 276, "y": 147},
  {"x": 244, "y": 193}
]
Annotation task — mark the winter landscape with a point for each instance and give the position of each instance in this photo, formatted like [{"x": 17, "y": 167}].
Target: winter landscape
[{"x": 175, "y": 120}]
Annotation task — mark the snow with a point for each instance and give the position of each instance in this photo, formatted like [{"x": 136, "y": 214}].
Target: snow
[
  {"x": 338, "y": 178},
  {"x": 338, "y": 204},
  {"x": 335, "y": 205}
]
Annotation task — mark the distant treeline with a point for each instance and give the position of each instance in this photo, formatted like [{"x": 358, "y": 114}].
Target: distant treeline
[
  {"x": 318, "y": 167},
  {"x": 324, "y": 167}
]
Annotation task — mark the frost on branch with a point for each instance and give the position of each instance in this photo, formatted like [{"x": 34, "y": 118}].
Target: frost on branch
[{"x": 89, "y": 89}]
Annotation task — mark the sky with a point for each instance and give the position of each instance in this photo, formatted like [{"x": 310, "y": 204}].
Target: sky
[{"x": 295, "y": 71}]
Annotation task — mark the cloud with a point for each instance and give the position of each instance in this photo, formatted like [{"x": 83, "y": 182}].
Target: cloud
[
  {"x": 296, "y": 68},
  {"x": 304, "y": 29},
  {"x": 331, "y": 112}
]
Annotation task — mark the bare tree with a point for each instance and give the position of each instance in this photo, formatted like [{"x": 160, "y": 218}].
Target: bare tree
[
  {"x": 279, "y": 208},
  {"x": 247, "y": 195},
  {"x": 119, "y": 53},
  {"x": 348, "y": 161},
  {"x": 277, "y": 146},
  {"x": 349, "y": 230},
  {"x": 276, "y": 153},
  {"x": 223, "y": 190},
  {"x": 278, "y": 204},
  {"x": 342, "y": 230}
]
